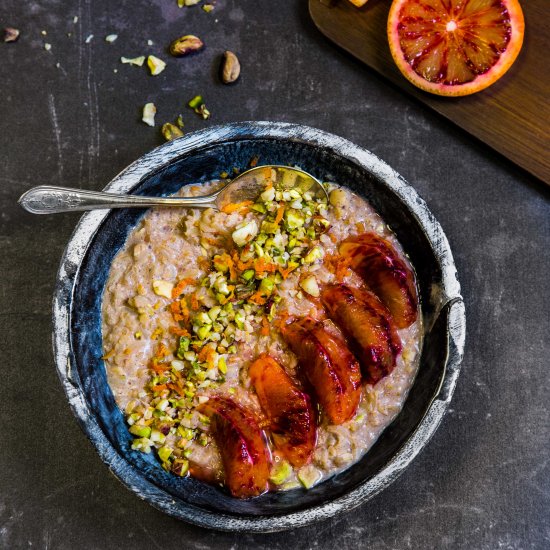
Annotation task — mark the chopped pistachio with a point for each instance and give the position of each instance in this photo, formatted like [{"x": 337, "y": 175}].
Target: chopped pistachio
[
  {"x": 203, "y": 112},
  {"x": 149, "y": 111},
  {"x": 110, "y": 38},
  {"x": 244, "y": 233},
  {"x": 309, "y": 476},
  {"x": 183, "y": 346},
  {"x": 179, "y": 121},
  {"x": 316, "y": 253},
  {"x": 138, "y": 61},
  {"x": 195, "y": 102},
  {"x": 163, "y": 288},
  {"x": 156, "y": 65},
  {"x": 140, "y": 431},
  {"x": 157, "y": 436},
  {"x": 309, "y": 285},
  {"x": 338, "y": 197},
  {"x": 170, "y": 132},
  {"x": 164, "y": 453},
  {"x": 11, "y": 34},
  {"x": 208, "y": 8},
  {"x": 47, "y": 47},
  {"x": 280, "y": 472},
  {"x": 294, "y": 218}
]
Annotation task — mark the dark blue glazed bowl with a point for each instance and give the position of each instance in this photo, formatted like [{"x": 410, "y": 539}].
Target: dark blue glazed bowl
[{"x": 200, "y": 157}]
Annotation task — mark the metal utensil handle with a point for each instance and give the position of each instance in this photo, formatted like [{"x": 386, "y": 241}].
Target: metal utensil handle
[{"x": 49, "y": 199}]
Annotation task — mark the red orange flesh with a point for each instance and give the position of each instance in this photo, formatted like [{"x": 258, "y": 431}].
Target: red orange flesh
[{"x": 455, "y": 47}]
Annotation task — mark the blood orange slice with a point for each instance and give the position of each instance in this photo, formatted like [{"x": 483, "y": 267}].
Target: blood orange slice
[{"x": 455, "y": 47}]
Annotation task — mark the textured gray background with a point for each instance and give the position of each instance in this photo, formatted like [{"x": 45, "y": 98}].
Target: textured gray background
[{"x": 482, "y": 482}]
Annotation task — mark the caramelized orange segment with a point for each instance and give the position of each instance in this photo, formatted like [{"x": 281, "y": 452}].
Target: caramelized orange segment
[
  {"x": 368, "y": 325},
  {"x": 385, "y": 273},
  {"x": 328, "y": 365},
  {"x": 289, "y": 410},
  {"x": 242, "y": 446}
]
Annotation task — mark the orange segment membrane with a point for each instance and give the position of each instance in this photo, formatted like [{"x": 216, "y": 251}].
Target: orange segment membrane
[{"x": 453, "y": 41}]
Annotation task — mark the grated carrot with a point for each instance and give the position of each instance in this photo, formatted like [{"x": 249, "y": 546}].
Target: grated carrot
[
  {"x": 175, "y": 309},
  {"x": 180, "y": 287},
  {"x": 160, "y": 368},
  {"x": 159, "y": 387},
  {"x": 257, "y": 298},
  {"x": 177, "y": 388},
  {"x": 360, "y": 226},
  {"x": 280, "y": 212},
  {"x": 234, "y": 206},
  {"x": 179, "y": 331},
  {"x": 261, "y": 265},
  {"x": 194, "y": 302},
  {"x": 286, "y": 271}
]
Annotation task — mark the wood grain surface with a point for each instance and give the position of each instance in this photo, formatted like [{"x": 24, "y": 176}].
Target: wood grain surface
[{"x": 512, "y": 116}]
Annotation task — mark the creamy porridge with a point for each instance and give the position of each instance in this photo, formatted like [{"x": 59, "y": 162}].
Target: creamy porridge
[{"x": 212, "y": 321}]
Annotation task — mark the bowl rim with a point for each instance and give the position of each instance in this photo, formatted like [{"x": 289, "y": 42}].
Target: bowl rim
[{"x": 161, "y": 157}]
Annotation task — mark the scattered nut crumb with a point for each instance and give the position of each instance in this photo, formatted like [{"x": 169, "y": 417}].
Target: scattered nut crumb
[
  {"x": 138, "y": 61},
  {"x": 11, "y": 34},
  {"x": 47, "y": 47},
  {"x": 89, "y": 39},
  {"x": 170, "y": 132},
  {"x": 156, "y": 65},
  {"x": 110, "y": 38},
  {"x": 149, "y": 112}
]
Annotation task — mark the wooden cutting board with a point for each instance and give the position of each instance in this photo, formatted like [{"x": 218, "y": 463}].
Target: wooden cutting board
[{"x": 512, "y": 116}]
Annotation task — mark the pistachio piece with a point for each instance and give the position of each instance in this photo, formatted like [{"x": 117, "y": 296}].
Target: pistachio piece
[
  {"x": 156, "y": 65},
  {"x": 231, "y": 68},
  {"x": 170, "y": 131},
  {"x": 138, "y": 61},
  {"x": 110, "y": 38},
  {"x": 149, "y": 111},
  {"x": 11, "y": 34},
  {"x": 186, "y": 45}
]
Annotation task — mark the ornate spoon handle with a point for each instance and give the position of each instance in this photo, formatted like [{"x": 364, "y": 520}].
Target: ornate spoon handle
[{"x": 49, "y": 199}]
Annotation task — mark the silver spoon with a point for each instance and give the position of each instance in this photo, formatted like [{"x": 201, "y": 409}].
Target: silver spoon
[{"x": 49, "y": 199}]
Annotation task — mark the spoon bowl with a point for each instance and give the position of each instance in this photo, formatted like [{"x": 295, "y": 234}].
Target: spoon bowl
[{"x": 48, "y": 199}]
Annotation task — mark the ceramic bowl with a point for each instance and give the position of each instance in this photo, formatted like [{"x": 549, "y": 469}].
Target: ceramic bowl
[{"x": 200, "y": 157}]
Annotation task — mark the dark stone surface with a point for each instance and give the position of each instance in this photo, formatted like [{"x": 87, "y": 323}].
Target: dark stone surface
[{"x": 482, "y": 482}]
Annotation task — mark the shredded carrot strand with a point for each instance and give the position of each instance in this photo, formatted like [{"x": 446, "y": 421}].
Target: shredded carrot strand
[
  {"x": 257, "y": 298},
  {"x": 280, "y": 212},
  {"x": 179, "y": 331},
  {"x": 176, "y": 387},
  {"x": 234, "y": 206},
  {"x": 159, "y": 387},
  {"x": 179, "y": 288}
]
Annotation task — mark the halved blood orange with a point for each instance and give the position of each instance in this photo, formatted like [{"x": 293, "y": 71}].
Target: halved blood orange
[{"x": 455, "y": 47}]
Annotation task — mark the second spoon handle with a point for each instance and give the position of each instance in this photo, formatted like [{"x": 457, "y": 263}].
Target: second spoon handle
[{"x": 49, "y": 199}]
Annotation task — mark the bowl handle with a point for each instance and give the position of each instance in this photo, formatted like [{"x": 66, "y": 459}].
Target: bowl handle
[{"x": 450, "y": 328}]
